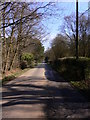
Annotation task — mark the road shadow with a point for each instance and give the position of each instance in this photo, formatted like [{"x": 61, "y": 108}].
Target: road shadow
[
  {"x": 52, "y": 75},
  {"x": 59, "y": 102},
  {"x": 70, "y": 102},
  {"x": 40, "y": 65}
]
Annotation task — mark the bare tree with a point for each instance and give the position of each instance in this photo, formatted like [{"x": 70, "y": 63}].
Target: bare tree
[
  {"x": 20, "y": 21},
  {"x": 69, "y": 29}
]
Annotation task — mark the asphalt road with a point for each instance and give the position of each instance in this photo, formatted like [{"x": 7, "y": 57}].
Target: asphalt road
[{"x": 42, "y": 93}]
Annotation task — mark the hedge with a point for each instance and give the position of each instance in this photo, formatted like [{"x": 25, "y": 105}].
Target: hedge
[{"x": 73, "y": 69}]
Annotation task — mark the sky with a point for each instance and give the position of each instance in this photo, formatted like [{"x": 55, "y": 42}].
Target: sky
[{"x": 53, "y": 23}]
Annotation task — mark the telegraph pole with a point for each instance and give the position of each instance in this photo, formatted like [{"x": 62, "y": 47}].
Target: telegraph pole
[{"x": 76, "y": 29}]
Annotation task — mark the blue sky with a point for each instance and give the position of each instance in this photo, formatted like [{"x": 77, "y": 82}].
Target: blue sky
[{"x": 52, "y": 24}]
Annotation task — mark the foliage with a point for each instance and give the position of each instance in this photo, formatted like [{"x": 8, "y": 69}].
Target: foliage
[
  {"x": 77, "y": 72},
  {"x": 38, "y": 51},
  {"x": 64, "y": 45},
  {"x": 59, "y": 48},
  {"x": 72, "y": 69},
  {"x": 19, "y": 24},
  {"x": 27, "y": 60},
  {"x": 80, "y": 84},
  {"x": 36, "y": 48},
  {"x": 27, "y": 56},
  {"x": 23, "y": 65}
]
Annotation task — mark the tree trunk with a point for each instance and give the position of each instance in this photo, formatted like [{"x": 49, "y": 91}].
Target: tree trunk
[
  {"x": 4, "y": 43},
  {"x": 8, "y": 51}
]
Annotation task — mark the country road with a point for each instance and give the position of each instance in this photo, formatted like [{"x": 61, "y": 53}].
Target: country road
[{"x": 42, "y": 93}]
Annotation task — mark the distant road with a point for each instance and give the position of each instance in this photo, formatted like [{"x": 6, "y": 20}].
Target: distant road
[{"x": 42, "y": 93}]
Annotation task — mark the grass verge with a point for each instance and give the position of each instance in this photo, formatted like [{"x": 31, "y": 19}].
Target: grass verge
[
  {"x": 82, "y": 87},
  {"x": 12, "y": 76},
  {"x": 76, "y": 72}
]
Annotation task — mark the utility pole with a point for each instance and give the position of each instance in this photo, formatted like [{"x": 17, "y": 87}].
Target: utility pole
[{"x": 76, "y": 29}]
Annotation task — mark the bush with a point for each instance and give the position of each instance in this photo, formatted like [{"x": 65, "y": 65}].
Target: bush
[
  {"x": 72, "y": 69},
  {"x": 77, "y": 72},
  {"x": 23, "y": 64},
  {"x": 27, "y": 60}
]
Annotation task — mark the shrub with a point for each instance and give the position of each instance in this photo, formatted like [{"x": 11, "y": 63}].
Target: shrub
[
  {"x": 73, "y": 69},
  {"x": 27, "y": 60},
  {"x": 23, "y": 64}
]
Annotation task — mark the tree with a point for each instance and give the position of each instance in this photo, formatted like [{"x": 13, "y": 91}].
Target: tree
[
  {"x": 83, "y": 33},
  {"x": 59, "y": 48},
  {"x": 69, "y": 29},
  {"x": 20, "y": 21},
  {"x": 36, "y": 48}
]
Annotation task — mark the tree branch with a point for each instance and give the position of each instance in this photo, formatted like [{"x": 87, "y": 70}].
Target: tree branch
[{"x": 25, "y": 17}]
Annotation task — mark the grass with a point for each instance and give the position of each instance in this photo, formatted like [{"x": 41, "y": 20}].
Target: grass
[
  {"x": 12, "y": 76},
  {"x": 82, "y": 87}
]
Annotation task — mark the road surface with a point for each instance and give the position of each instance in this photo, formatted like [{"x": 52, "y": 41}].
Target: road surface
[{"x": 42, "y": 93}]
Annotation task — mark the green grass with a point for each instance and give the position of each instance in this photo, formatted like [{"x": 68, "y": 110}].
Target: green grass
[{"x": 80, "y": 84}]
